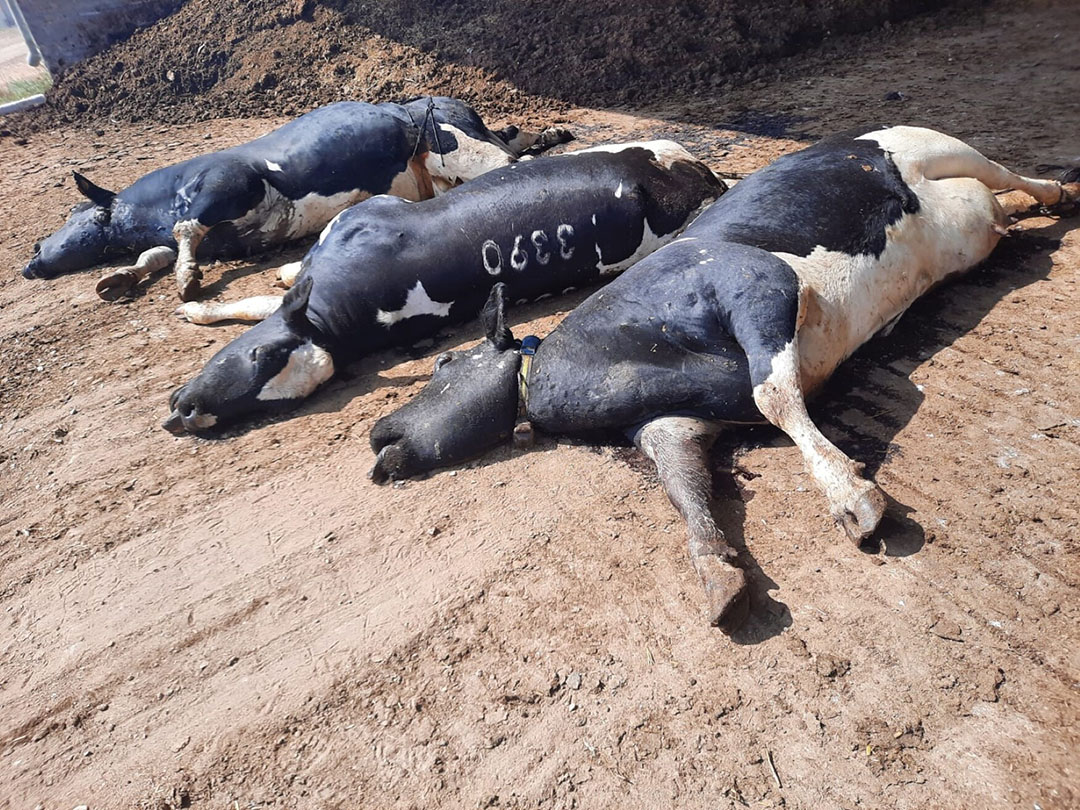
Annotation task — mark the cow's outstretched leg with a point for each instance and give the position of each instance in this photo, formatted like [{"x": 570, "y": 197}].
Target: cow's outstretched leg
[
  {"x": 252, "y": 309},
  {"x": 765, "y": 323},
  {"x": 228, "y": 192},
  {"x": 678, "y": 445},
  {"x": 119, "y": 281},
  {"x": 521, "y": 141},
  {"x": 856, "y": 504},
  {"x": 937, "y": 156}
]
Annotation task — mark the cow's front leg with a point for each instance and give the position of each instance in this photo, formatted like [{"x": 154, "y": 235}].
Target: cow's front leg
[
  {"x": 856, "y": 504},
  {"x": 679, "y": 445},
  {"x": 123, "y": 279},
  {"x": 188, "y": 234},
  {"x": 252, "y": 309}
]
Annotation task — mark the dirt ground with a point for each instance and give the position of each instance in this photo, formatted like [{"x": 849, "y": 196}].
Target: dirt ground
[{"x": 248, "y": 622}]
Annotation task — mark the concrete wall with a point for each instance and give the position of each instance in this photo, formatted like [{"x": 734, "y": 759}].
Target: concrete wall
[{"x": 67, "y": 31}]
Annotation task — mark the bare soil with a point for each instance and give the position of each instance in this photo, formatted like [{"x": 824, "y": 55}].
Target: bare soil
[{"x": 247, "y": 622}]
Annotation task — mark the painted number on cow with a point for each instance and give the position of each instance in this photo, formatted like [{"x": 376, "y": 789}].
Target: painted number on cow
[
  {"x": 519, "y": 258},
  {"x": 492, "y": 257}
]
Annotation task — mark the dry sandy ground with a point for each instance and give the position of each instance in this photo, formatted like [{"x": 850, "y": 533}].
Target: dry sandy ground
[{"x": 248, "y": 622}]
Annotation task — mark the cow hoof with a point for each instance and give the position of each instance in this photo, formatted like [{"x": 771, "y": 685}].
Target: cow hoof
[
  {"x": 554, "y": 135},
  {"x": 192, "y": 312},
  {"x": 1070, "y": 191},
  {"x": 116, "y": 284},
  {"x": 861, "y": 516},
  {"x": 189, "y": 291},
  {"x": 726, "y": 592},
  {"x": 524, "y": 435}
]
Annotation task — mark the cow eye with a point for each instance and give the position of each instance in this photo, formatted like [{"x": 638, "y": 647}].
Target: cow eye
[
  {"x": 443, "y": 359},
  {"x": 254, "y": 354}
]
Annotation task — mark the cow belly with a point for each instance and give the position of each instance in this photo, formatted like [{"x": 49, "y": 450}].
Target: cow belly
[
  {"x": 619, "y": 377},
  {"x": 846, "y": 299},
  {"x": 277, "y": 219}
]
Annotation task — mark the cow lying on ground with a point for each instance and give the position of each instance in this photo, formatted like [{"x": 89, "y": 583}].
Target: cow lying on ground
[
  {"x": 279, "y": 187},
  {"x": 752, "y": 308},
  {"x": 387, "y": 272}
]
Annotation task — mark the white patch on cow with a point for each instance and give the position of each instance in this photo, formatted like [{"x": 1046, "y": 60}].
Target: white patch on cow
[
  {"x": 312, "y": 211},
  {"x": 279, "y": 219},
  {"x": 410, "y": 185},
  {"x": 417, "y": 302},
  {"x": 846, "y": 298},
  {"x": 326, "y": 231},
  {"x": 594, "y": 219},
  {"x": 309, "y": 366},
  {"x": 665, "y": 153},
  {"x": 618, "y": 191},
  {"x": 472, "y": 158},
  {"x": 923, "y": 154},
  {"x": 649, "y": 243},
  {"x": 274, "y": 167}
]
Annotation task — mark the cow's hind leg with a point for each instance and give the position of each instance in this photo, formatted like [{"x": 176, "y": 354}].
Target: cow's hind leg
[
  {"x": 521, "y": 141},
  {"x": 252, "y": 309},
  {"x": 855, "y": 503},
  {"x": 678, "y": 445},
  {"x": 119, "y": 281},
  {"x": 765, "y": 323},
  {"x": 941, "y": 157}
]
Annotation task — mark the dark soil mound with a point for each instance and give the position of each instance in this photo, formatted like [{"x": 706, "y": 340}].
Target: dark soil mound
[{"x": 217, "y": 58}]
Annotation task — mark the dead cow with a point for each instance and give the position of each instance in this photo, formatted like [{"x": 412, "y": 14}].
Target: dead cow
[
  {"x": 390, "y": 273},
  {"x": 279, "y": 187},
  {"x": 750, "y": 310}
]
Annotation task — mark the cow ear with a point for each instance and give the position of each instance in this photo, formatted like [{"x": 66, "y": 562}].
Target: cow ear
[
  {"x": 493, "y": 316},
  {"x": 95, "y": 193},
  {"x": 294, "y": 304}
]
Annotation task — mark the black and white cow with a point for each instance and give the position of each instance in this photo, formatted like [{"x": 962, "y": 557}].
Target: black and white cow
[
  {"x": 752, "y": 308},
  {"x": 282, "y": 186},
  {"x": 387, "y": 272}
]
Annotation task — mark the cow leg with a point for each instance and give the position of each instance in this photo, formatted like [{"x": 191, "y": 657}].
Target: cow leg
[
  {"x": 252, "y": 309},
  {"x": 855, "y": 503},
  {"x": 521, "y": 141},
  {"x": 188, "y": 234},
  {"x": 941, "y": 157},
  {"x": 287, "y": 273},
  {"x": 678, "y": 445},
  {"x": 764, "y": 308},
  {"x": 227, "y": 192},
  {"x": 111, "y": 286}
]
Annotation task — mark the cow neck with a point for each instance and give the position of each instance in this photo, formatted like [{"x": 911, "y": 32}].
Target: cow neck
[{"x": 529, "y": 345}]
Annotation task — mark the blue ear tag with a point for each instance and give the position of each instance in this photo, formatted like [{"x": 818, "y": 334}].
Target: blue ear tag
[{"x": 529, "y": 346}]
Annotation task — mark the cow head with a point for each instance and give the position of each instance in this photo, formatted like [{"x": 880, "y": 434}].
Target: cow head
[
  {"x": 469, "y": 405},
  {"x": 82, "y": 242},
  {"x": 271, "y": 367}
]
